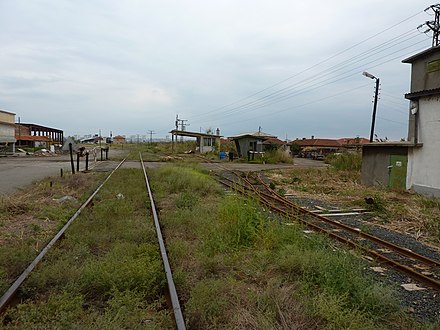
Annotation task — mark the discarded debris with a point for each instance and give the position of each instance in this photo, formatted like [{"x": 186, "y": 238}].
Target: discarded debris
[
  {"x": 68, "y": 199},
  {"x": 412, "y": 287},
  {"x": 380, "y": 270},
  {"x": 120, "y": 196}
]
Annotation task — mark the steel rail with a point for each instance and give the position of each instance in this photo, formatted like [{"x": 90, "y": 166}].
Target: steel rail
[
  {"x": 415, "y": 274},
  {"x": 180, "y": 322},
  {"x": 399, "y": 249},
  {"x": 10, "y": 293}
]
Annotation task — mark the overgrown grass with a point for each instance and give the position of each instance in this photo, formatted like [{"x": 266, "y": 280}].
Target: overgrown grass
[
  {"x": 271, "y": 157},
  {"x": 347, "y": 161},
  {"x": 399, "y": 210},
  {"x": 107, "y": 273},
  {"x": 237, "y": 267},
  {"x": 30, "y": 217}
]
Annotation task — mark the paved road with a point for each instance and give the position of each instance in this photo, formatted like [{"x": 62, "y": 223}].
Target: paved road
[{"x": 17, "y": 172}]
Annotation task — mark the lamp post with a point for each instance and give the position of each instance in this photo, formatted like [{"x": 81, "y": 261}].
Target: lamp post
[{"x": 373, "y": 120}]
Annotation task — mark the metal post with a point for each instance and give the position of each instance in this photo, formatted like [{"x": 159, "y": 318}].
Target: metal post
[
  {"x": 101, "y": 154},
  {"x": 77, "y": 161},
  {"x": 373, "y": 120},
  {"x": 71, "y": 158},
  {"x": 106, "y": 154},
  {"x": 87, "y": 161}
]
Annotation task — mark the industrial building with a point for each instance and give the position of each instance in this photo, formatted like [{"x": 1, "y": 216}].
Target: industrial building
[{"x": 34, "y": 135}]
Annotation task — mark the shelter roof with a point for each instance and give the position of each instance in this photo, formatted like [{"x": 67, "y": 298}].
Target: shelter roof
[
  {"x": 258, "y": 134},
  {"x": 393, "y": 144},
  {"x": 193, "y": 134},
  {"x": 119, "y": 137}
]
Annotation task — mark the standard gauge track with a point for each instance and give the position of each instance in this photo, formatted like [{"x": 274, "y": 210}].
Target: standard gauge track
[
  {"x": 180, "y": 323},
  {"x": 8, "y": 297},
  {"x": 417, "y": 266}
]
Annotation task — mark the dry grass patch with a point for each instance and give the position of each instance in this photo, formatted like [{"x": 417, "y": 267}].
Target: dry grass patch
[
  {"x": 402, "y": 211},
  {"x": 31, "y": 216}
]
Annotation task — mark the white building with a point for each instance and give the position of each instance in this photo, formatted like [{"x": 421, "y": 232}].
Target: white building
[
  {"x": 423, "y": 172},
  {"x": 7, "y": 132}
]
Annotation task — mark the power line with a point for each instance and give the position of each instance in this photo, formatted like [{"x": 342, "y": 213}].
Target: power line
[
  {"x": 313, "y": 86},
  {"x": 285, "y": 93},
  {"x": 317, "y": 64},
  {"x": 295, "y": 107}
]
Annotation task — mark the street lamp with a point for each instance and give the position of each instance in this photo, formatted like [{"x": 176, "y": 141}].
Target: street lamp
[{"x": 373, "y": 120}]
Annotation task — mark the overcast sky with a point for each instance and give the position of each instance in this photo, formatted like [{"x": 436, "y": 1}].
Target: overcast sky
[{"x": 292, "y": 67}]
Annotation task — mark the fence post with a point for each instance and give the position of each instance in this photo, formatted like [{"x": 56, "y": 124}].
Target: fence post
[{"x": 71, "y": 158}]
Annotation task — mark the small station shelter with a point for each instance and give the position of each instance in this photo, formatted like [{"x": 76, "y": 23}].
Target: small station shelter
[
  {"x": 251, "y": 142},
  {"x": 205, "y": 142}
]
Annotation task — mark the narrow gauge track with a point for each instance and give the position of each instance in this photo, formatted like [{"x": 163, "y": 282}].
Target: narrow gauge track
[
  {"x": 7, "y": 298},
  {"x": 417, "y": 266}
]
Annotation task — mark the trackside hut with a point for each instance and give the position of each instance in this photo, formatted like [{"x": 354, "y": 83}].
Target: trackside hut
[
  {"x": 205, "y": 142},
  {"x": 250, "y": 142}
]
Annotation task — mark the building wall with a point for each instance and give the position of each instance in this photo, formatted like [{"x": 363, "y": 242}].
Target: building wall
[
  {"x": 424, "y": 163},
  {"x": 7, "y": 132},
  {"x": 425, "y": 74},
  {"x": 245, "y": 145},
  {"x": 21, "y": 130},
  {"x": 207, "y": 144},
  {"x": 7, "y": 117}
]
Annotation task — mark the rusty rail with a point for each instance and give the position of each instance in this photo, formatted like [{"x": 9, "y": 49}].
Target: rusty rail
[
  {"x": 11, "y": 292},
  {"x": 281, "y": 205}
]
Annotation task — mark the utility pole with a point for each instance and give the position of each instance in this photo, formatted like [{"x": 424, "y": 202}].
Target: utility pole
[
  {"x": 434, "y": 25},
  {"x": 182, "y": 123},
  {"x": 376, "y": 94},
  {"x": 151, "y": 135},
  {"x": 373, "y": 120},
  {"x": 19, "y": 132}
]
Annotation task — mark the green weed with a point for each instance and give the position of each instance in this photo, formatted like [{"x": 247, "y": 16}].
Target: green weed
[{"x": 346, "y": 161}]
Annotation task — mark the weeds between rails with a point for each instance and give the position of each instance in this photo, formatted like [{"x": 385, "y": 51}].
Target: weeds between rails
[
  {"x": 108, "y": 266},
  {"x": 397, "y": 257}
]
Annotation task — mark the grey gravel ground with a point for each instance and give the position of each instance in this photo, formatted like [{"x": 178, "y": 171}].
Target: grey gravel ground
[{"x": 423, "y": 304}]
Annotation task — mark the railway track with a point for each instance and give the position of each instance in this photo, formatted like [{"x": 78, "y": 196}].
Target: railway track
[
  {"x": 421, "y": 268},
  {"x": 9, "y": 298}
]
